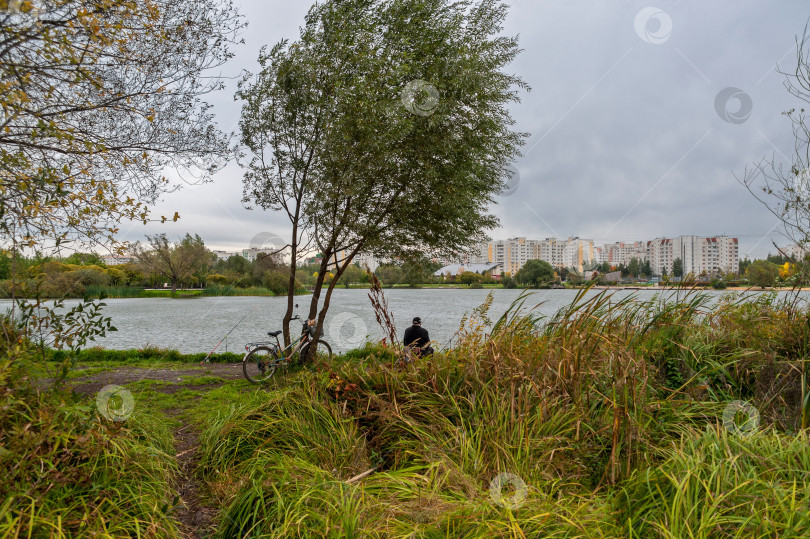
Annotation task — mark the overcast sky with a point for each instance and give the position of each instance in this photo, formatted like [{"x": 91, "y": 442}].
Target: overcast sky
[{"x": 626, "y": 140}]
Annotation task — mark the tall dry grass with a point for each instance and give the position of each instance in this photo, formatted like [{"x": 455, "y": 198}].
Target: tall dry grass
[{"x": 601, "y": 410}]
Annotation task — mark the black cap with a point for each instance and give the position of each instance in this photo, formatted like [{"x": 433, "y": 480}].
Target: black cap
[{"x": 417, "y": 320}]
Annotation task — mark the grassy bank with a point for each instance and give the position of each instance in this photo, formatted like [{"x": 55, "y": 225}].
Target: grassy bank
[
  {"x": 609, "y": 419},
  {"x": 118, "y": 292},
  {"x": 153, "y": 354},
  {"x": 69, "y": 472},
  {"x": 613, "y": 418},
  {"x": 134, "y": 292}
]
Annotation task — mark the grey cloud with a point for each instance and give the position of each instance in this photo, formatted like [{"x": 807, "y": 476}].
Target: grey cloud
[{"x": 610, "y": 115}]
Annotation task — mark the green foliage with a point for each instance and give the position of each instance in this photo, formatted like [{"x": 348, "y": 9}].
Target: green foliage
[
  {"x": 610, "y": 411},
  {"x": 84, "y": 259},
  {"x": 350, "y": 154},
  {"x": 153, "y": 354},
  {"x": 677, "y": 267},
  {"x": 217, "y": 279},
  {"x": 62, "y": 463},
  {"x": 718, "y": 284},
  {"x": 177, "y": 262},
  {"x": 353, "y": 274},
  {"x": 470, "y": 277},
  {"x": 603, "y": 444},
  {"x": 535, "y": 273},
  {"x": 762, "y": 273},
  {"x": 75, "y": 162},
  {"x": 389, "y": 274},
  {"x": 59, "y": 328},
  {"x": 744, "y": 485},
  {"x": 277, "y": 282}
]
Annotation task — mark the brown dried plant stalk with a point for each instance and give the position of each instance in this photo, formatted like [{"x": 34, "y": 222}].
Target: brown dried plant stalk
[{"x": 381, "y": 311}]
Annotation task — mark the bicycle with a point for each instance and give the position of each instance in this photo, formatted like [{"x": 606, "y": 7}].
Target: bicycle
[{"x": 262, "y": 359}]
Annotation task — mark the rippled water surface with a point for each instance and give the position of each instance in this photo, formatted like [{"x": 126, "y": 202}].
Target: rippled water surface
[{"x": 197, "y": 324}]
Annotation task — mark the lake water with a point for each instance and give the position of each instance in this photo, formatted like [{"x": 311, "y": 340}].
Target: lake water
[{"x": 197, "y": 324}]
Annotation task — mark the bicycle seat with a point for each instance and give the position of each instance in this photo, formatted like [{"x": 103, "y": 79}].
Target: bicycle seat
[{"x": 274, "y": 333}]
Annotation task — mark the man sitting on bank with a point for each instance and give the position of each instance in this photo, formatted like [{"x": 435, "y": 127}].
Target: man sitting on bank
[{"x": 417, "y": 337}]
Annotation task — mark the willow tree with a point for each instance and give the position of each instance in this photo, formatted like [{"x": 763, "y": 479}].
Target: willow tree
[
  {"x": 101, "y": 101},
  {"x": 177, "y": 262},
  {"x": 401, "y": 107}
]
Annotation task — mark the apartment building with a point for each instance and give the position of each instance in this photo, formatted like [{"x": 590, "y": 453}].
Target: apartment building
[
  {"x": 661, "y": 255},
  {"x": 511, "y": 254},
  {"x": 552, "y": 251},
  {"x": 114, "y": 260},
  {"x": 251, "y": 254},
  {"x": 689, "y": 250},
  {"x": 720, "y": 255},
  {"x": 223, "y": 255},
  {"x": 622, "y": 253},
  {"x": 798, "y": 252},
  {"x": 712, "y": 255},
  {"x": 576, "y": 253}
]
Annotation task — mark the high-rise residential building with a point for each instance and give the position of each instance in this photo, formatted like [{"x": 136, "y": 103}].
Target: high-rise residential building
[
  {"x": 366, "y": 262},
  {"x": 552, "y": 251},
  {"x": 251, "y": 254},
  {"x": 622, "y": 253},
  {"x": 660, "y": 255},
  {"x": 712, "y": 255},
  {"x": 480, "y": 254},
  {"x": 577, "y": 252},
  {"x": 720, "y": 255},
  {"x": 513, "y": 253},
  {"x": 797, "y": 252},
  {"x": 699, "y": 256},
  {"x": 689, "y": 250}
]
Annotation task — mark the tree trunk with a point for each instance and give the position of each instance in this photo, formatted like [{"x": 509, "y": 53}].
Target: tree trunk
[
  {"x": 322, "y": 315},
  {"x": 316, "y": 292},
  {"x": 291, "y": 289}
]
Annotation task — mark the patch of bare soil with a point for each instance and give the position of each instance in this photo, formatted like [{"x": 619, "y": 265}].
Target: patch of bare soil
[
  {"x": 124, "y": 375},
  {"x": 195, "y": 517}
]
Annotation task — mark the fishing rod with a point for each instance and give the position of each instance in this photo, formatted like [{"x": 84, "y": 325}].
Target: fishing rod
[
  {"x": 226, "y": 336},
  {"x": 448, "y": 343}
]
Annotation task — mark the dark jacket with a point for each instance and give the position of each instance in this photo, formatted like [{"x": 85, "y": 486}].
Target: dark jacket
[{"x": 418, "y": 334}]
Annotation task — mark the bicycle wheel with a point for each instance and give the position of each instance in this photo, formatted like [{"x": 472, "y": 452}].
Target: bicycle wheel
[
  {"x": 323, "y": 348},
  {"x": 260, "y": 364}
]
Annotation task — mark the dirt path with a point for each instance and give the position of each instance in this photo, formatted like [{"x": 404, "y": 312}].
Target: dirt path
[
  {"x": 195, "y": 517},
  {"x": 125, "y": 375}
]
